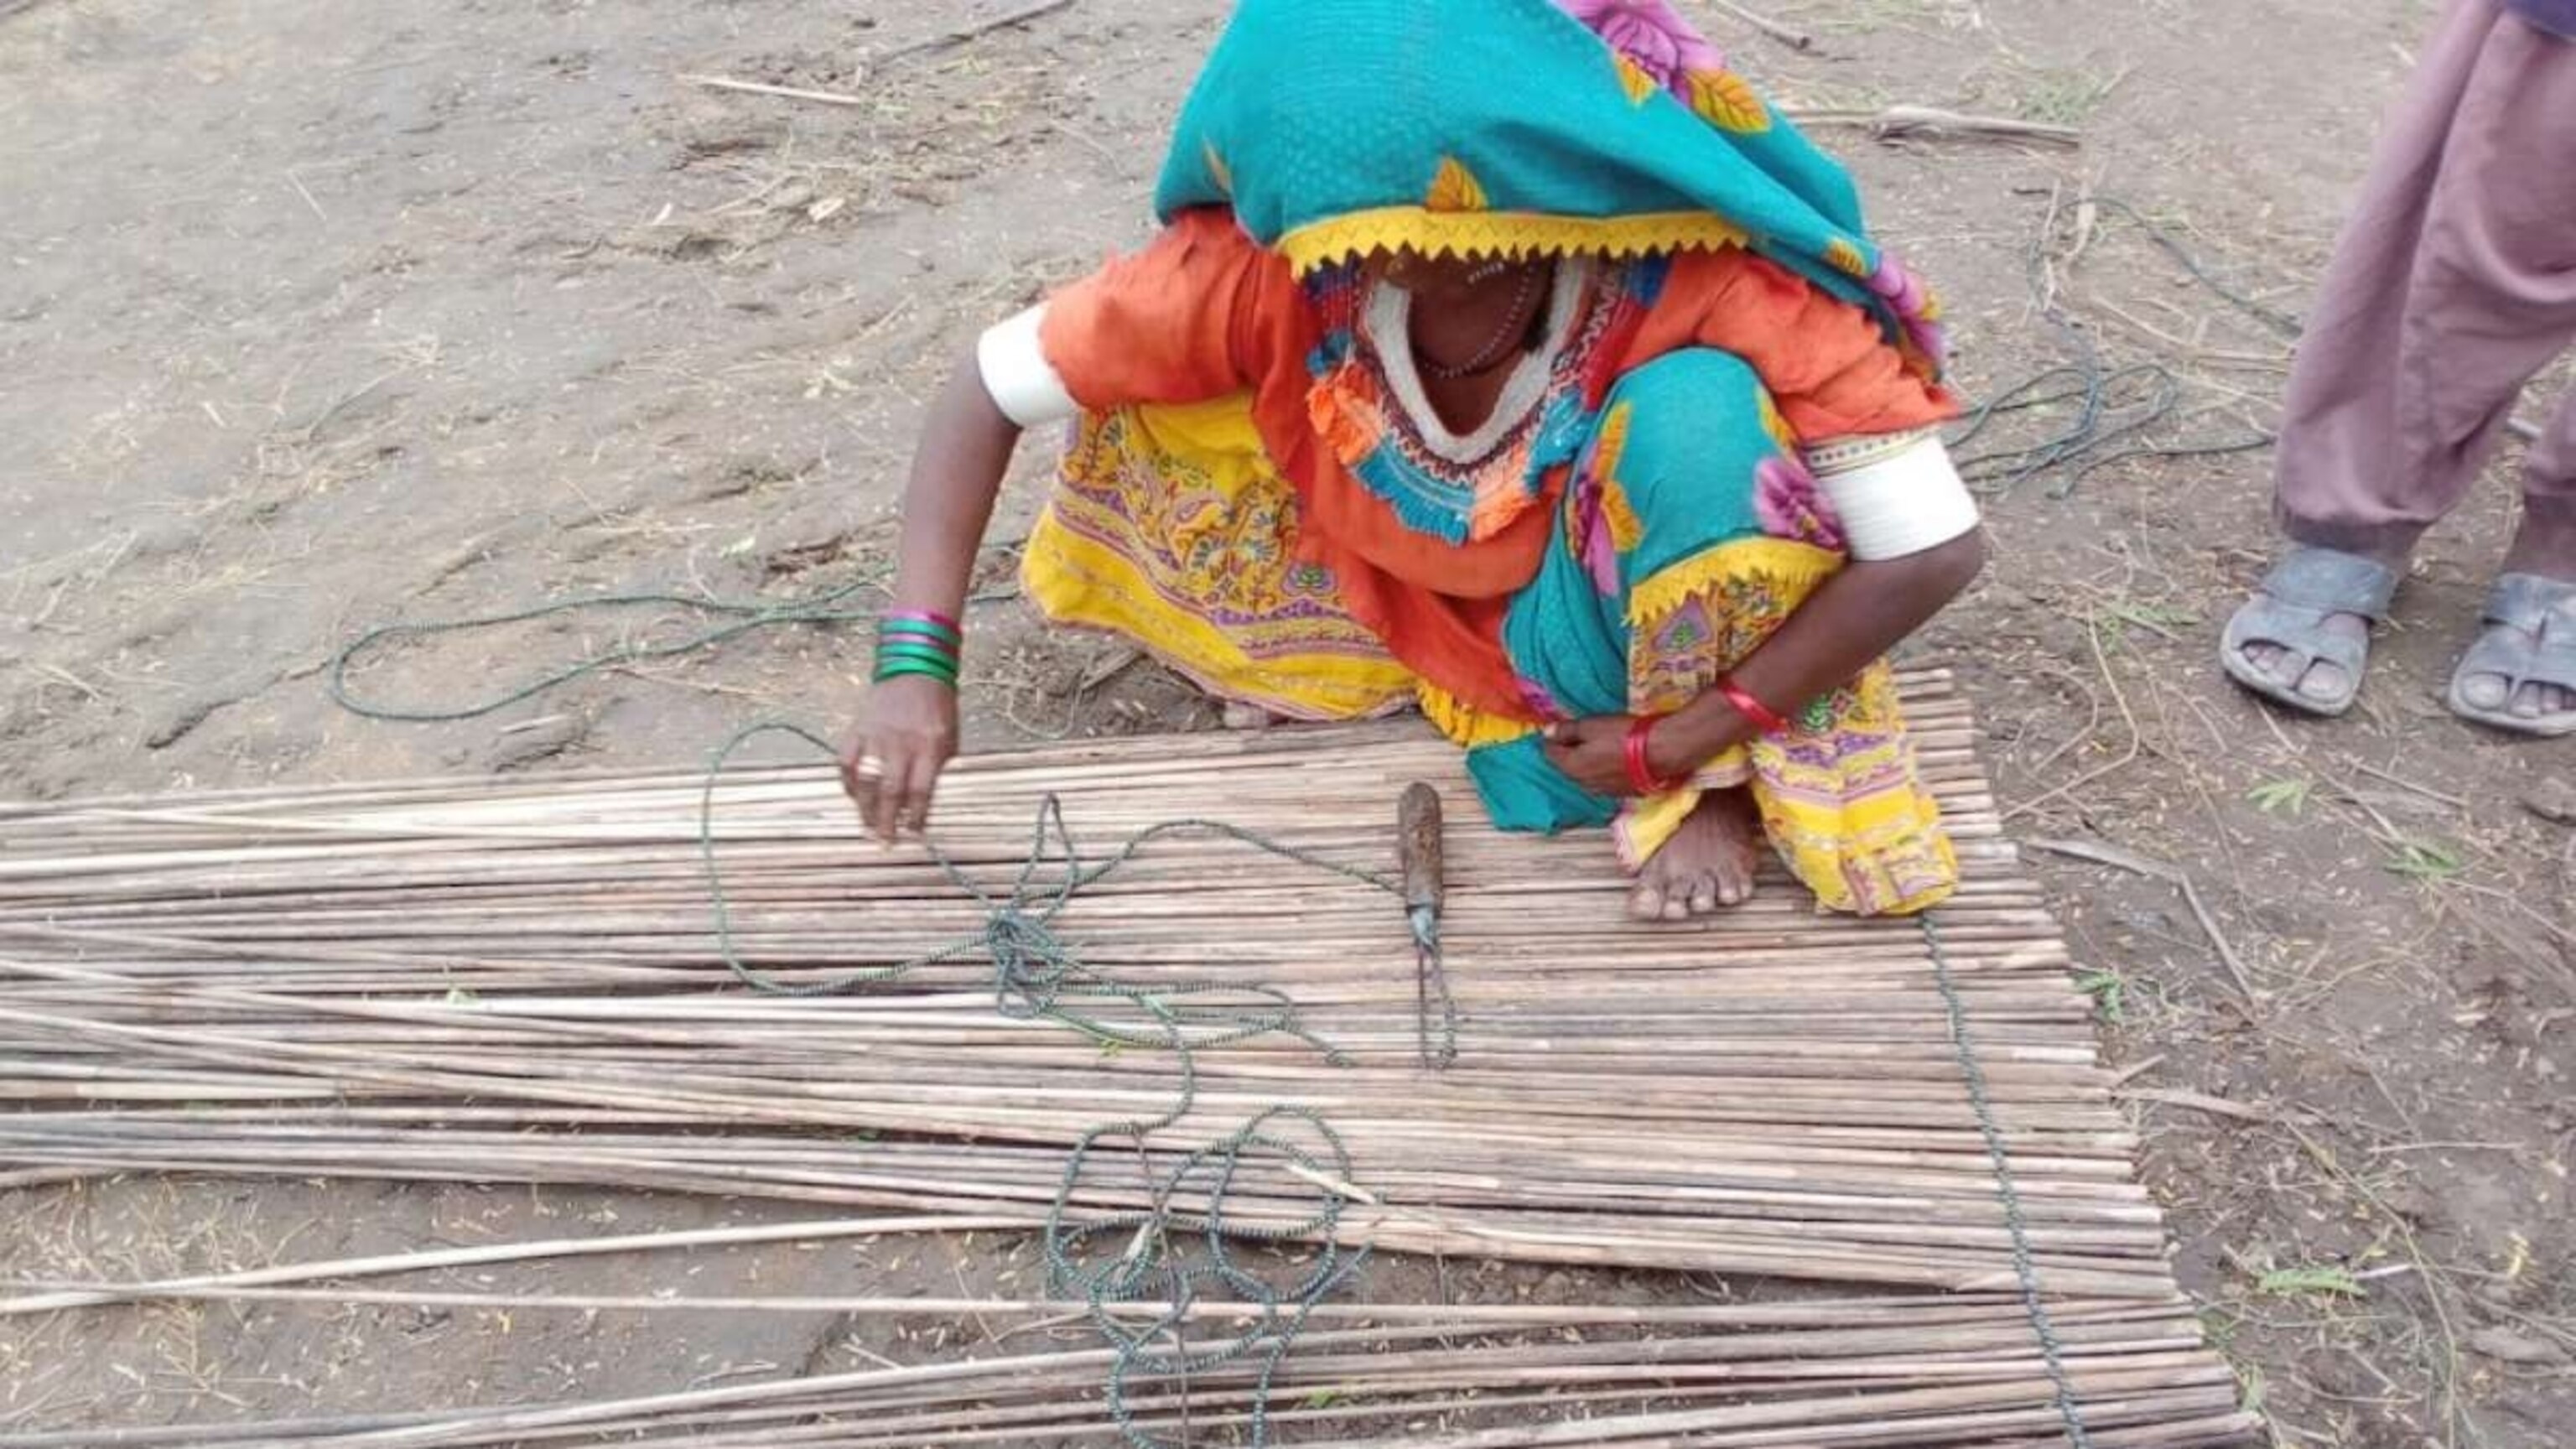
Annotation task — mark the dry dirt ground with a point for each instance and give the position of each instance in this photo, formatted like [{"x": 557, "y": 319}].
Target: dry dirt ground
[{"x": 314, "y": 316}]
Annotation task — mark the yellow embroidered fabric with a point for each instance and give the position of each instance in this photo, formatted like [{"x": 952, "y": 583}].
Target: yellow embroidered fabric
[
  {"x": 1170, "y": 526},
  {"x": 1839, "y": 794}
]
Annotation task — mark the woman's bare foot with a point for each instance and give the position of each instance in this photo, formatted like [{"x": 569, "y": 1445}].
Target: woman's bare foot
[{"x": 1707, "y": 866}]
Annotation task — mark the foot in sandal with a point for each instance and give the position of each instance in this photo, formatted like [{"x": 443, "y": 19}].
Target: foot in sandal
[
  {"x": 1707, "y": 866},
  {"x": 2521, "y": 674},
  {"x": 2304, "y": 639}
]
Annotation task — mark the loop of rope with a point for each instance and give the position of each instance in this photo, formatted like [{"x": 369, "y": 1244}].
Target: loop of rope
[
  {"x": 2115, "y": 407},
  {"x": 829, "y": 608},
  {"x": 1160, "y": 1254}
]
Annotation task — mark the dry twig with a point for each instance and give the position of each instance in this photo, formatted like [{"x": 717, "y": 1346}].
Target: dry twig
[
  {"x": 1895, "y": 123},
  {"x": 965, "y": 33},
  {"x": 763, "y": 88},
  {"x": 2136, "y": 864}
]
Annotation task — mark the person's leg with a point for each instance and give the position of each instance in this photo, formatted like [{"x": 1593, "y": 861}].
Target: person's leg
[
  {"x": 2442, "y": 301},
  {"x": 2521, "y": 250},
  {"x": 2521, "y": 673},
  {"x": 1690, "y": 533},
  {"x": 2546, "y": 544}
]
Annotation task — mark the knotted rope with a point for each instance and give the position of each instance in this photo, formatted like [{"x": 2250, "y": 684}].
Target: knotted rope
[{"x": 1162, "y": 1254}]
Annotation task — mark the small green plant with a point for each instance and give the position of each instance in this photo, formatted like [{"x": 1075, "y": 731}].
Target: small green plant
[
  {"x": 1323, "y": 1398},
  {"x": 2159, "y": 619},
  {"x": 2310, "y": 1283},
  {"x": 2282, "y": 797},
  {"x": 2110, "y": 996},
  {"x": 2113, "y": 620},
  {"x": 2426, "y": 860}
]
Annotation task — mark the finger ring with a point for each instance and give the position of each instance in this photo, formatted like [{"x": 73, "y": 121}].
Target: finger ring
[{"x": 870, "y": 768}]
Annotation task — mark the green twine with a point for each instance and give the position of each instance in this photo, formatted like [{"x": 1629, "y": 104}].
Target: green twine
[
  {"x": 740, "y": 616},
  {"x": 2115, "y": 408},
  {"x": 1143, "y": 1255},
  {"x": 830, "y": 608},
  {"x": 1972, "y": 1072}
]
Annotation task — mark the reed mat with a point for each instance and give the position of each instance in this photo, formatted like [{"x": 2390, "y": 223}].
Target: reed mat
[{"x": 1199, "y": 1075}]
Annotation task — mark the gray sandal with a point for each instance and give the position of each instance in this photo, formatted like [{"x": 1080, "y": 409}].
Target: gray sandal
[
  {"x": 2307, "y": 587},
  {"x": 2530, "y": 639}
]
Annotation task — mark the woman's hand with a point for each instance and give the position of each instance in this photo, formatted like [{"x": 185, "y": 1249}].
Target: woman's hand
[
  {"x": 1593, "y": 753},
  {"x": 892, "y": 766}
]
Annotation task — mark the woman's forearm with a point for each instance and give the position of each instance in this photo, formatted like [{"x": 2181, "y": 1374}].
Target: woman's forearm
[
  {"x": 1855, "y": 617},
  {"x": 957, "y": 475}
]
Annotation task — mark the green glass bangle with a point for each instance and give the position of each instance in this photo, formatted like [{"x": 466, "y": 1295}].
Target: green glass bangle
[
  {"x": 918, "y": 628},
  {"x": 907, "y": 668},
  {"x": 933, "y": 668},
  {"x": 915, "y": 649}
]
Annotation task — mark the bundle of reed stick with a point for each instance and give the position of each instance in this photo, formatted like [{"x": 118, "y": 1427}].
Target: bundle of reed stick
[
  {"x": 522, "y": 982},
  {"x": 1905, "y": 1373}
]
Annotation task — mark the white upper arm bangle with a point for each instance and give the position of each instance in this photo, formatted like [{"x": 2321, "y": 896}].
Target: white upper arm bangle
[
  {"x": 1898, "y": 495},
  {"x": 1024, "y": 385}
]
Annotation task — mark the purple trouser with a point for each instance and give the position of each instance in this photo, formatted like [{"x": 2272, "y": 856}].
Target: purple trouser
[{"x": 2454, "y": 284}]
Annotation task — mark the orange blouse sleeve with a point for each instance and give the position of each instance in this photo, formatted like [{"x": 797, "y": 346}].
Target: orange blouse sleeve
[
  {"x": 1828, "y": 364},
  {"x": 1182, "y": 321}
]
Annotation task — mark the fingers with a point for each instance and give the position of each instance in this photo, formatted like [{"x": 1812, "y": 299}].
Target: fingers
[
  {"x": 877, "y": 793},
  {"x": 860, "y": 771},
  {"x": 921, "y": 782},
  {"x": 893, "y": 788}
]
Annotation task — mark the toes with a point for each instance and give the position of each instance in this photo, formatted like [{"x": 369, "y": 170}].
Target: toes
[
  {"x": 2540, "y": 701},
  {"x": 1677, "y": 908},
  {"x": 1646, "y": 902},
  {"x": 2274, "y": 663},
  {"x": 1735, "y": 884},
  {"x": 1706, "y": 896},
  {"x": 2485, "y": 691},
  {"x": 2325, "y": 682}
]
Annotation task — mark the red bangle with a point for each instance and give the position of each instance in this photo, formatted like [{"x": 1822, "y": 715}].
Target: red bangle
[
  {"x": 1641, "y": 771},
  {"x": 1766, "y": 719}
]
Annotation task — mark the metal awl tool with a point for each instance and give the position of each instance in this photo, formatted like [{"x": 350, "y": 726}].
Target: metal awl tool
[{"x": 1424, "y": 866}]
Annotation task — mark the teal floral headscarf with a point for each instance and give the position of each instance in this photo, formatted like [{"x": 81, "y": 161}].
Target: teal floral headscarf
[{"x": 1338, "y": 128}]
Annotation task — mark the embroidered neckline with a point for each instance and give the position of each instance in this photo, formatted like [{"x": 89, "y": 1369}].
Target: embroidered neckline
[
  {"x": 1387, "y": 333},
  {"x": 1377, "y": 421}
]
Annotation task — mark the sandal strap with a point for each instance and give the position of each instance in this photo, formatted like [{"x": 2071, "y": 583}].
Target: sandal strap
[
  {"x": 2331, "y": 581},
  {"x": 2534, "y": 605},
  {"x": 2530, "y": 636}
]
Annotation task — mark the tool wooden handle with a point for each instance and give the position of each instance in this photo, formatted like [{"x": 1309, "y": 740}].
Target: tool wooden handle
[{"x": 1418, "y": 850}]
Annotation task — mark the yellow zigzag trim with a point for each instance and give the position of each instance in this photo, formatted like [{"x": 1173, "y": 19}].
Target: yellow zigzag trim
[
  {"x": 1503, "y": 234},
  {"x": 1795, "y": 567},
  {"x": 1466, "y": 726}
]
